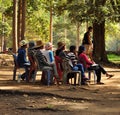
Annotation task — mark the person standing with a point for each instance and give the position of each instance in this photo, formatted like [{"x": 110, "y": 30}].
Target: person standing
[{"x": 87, "y": 42}]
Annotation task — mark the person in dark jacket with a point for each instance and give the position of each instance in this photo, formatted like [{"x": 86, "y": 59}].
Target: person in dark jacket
[
  {"x": 22, "y": 59},
  {"x": 87, "y": 42}
]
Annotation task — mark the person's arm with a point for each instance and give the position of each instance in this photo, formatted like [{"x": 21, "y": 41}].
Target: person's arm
[
  {"x": 24, "y": 57},
  {"x": 41, "y": 58},
  {"x": 51, "y": 56},
  {"x": 89, "y": 39},
  {"x": 84, "y": 56}
]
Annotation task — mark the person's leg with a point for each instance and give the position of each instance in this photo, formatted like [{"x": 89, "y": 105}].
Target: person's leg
[
  {"x": 102, "y": 69},
  {"x": 80, "y": 67},
  {"x": 86, "y": 49},
  {"x": 98, "y": 73},
  {"x": 27, "y": 73}
]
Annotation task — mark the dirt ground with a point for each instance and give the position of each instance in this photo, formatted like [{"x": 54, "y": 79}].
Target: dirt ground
[{"x": 35, "y": 99}]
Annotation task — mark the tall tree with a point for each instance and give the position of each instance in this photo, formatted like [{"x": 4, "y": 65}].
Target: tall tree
[
  {"x": 15, "y": 40},
  {"x": 96, "y": 11}
]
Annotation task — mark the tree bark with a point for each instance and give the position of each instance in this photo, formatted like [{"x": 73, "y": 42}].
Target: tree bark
[
  {"x": 51, "y": 32},
  {"x": 23, "y": 19},
  {"x": 99, "y": 53},
  {"x": 78, "y": 36},
  {"x": 19, "y": 22},
  {"x": 15, "y": 46}
]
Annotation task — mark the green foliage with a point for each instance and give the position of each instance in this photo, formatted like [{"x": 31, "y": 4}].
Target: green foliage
[
  {"x": 114, "y": 58},
  {"x": 112, "y": 36},
  {"x": 37, "y": 21},
  {"x": 5, "y": 28}
]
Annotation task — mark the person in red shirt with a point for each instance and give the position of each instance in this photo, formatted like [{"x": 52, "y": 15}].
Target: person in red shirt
[{"x": 91, "y": 65}]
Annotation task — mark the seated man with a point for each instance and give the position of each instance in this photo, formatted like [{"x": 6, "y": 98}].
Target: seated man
[
  {"x": 42, "y": 61},
  {"x": 75, "y": 65}
]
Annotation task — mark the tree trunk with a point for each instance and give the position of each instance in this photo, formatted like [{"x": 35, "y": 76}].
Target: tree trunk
[
  {"x": 78, "y": 36},
  {"x": 99, "y": 53},
  {"x": 19, "y": 23},
  {"x": 23, "y": 19},
  {"x": 51, "y": 34},
  {"x": 15, "y": 46}
]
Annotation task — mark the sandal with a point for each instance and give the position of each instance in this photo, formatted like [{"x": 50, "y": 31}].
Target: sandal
[{"x": 110, "y": 76}]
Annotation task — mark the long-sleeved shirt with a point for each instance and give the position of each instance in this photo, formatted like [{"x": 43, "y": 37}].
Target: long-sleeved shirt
[
  {"x": 83, "y": 58},
  {"x": 49, "y": 56},
  {"x": 41, "y": 59},
  {"x": 21, "y": 57}
]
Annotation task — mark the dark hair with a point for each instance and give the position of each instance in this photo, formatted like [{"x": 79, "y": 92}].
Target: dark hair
[
  {"x": 90, "y": 27},
  {"x": 81, "y": 49},
  {"x": 72, "y": 48}
]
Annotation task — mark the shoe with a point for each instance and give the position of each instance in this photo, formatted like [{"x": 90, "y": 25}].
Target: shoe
[
  {"x": 86, "y": 79},
  {"x": 84, "y": 83},
  {"x": 109, "y": 76},
  {"x": 100, "y": 83}
]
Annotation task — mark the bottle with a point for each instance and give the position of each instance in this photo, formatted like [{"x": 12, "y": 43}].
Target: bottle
[{"x": 19, "y": 78}]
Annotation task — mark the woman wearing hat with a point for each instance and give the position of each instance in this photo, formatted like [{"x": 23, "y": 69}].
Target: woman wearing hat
[
  {"x": 49, "y": 53},
  {"x": 88, "y": 64},
  {"x": 22, "y": 60},
  {"x": 60, "y": 50},
  {"x": 32, "y": 61}
]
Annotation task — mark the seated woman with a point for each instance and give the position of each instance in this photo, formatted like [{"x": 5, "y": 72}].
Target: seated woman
[
  {"x": 76, "y": 67},
  {"x": 33, "y": 65},
  {"x": 88, "y": 64},
  {"x": 48, "y": 53},
  {"x": 22, "y": 60}
]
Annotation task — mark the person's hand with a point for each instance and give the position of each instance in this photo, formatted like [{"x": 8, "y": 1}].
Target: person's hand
[
  {"x": 51, "y": 64},
  {"x": 93, "y": 62}
]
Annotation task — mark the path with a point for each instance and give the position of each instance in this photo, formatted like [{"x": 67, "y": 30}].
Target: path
[{"x": 37, "y": 99}]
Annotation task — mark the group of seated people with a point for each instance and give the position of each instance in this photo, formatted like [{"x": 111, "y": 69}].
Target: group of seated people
[{"x": 78, "y": 61}]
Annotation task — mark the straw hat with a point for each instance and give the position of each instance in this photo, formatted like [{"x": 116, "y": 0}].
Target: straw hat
[
  {"x": 60, "y": 45},
  {"x": 48, "y": 46},
  {"x": 39, "y": 44},
  {"x": 23, "y": 42}
]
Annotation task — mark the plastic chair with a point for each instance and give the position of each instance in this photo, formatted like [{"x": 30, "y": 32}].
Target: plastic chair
[
  {"x": 67, "y": 69},
  {"x": 16, "y": 66},
  {"x": 89, "y": 75},
  {"x": 58, "y": 62},
  {"x": 46, "y": 69}
]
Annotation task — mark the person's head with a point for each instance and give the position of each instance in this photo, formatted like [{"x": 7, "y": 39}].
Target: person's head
[
  {"x": 31, "y": 44},
  {"x": 72, "y": 48},
  {"x": 81, "y": 49},
  {"x": 90, "y": 28},
  {"x": 23, "y": 44},
  {"x": 39, "y": 45},
  {"x": 61, "y": 46},
  {"x": 48, "y": 46}
]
